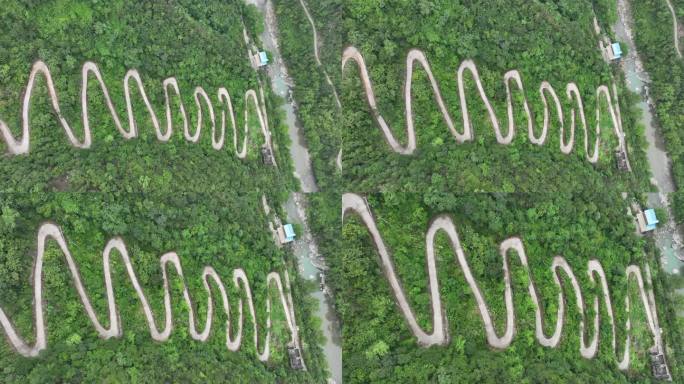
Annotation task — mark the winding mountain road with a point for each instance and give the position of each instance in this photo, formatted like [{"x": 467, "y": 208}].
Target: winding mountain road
[
  {"x": 48, "y": 230},
  {"x": 571, "y": 90},
  {"x": 51, "y": 231},
  {"x": 317, "y": 56},
  {"x": 675, "y": 27},
  {"x": 355, "y": 204},
  {"x": 22, "y": 145}
]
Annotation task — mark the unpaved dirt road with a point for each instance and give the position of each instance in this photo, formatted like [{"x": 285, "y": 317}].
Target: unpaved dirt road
[
  {"x": 675, "y": 28},
  {"x": 51, "y": 231},
  {"x": 545, "y": 90},
  {"x": 357, "y": 205},
  {"x": 89, "y": 69}
]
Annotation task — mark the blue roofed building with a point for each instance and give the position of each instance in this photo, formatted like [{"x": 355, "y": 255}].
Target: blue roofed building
[
  {"x": 289, "y": 232},
  {"x": 617, "y": 51},
  {"x": 651, "y": 219},
  {"x": 286, "y": 233},
  {"x": 262, "y": 59},
  {"x": 647, "y": 220}
]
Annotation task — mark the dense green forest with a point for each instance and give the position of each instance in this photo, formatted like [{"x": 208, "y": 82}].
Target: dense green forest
[
  {"x": 576, "y": 211},
  {"x": 317, "y": 110},
  {"x": 205, "y": 204},
  {"x": 551, "y": 41},
  {"x": 202, "y": 203},
  {"x": 377, "y": 343},
  {"x": 654, "y": 38}
]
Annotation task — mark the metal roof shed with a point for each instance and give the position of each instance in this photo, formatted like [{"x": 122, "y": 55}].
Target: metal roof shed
[
  {"x": 617, "y": 51},
  {"x": 263, "y": 58},
  {"x": 289, "y": 232},
  {"x": 651, "y": 219}
]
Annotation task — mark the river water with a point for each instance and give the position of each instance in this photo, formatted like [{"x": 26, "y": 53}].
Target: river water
[
  {"x": 310, "y": 264},
  {"x": 281, "y": 85},
  {"x": 667, "y": 235},
  {"x": 311, "y": 267}
]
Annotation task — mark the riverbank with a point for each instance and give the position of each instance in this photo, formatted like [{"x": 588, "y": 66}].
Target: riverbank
[
  {"x": 668, "y": 235},
  {"x": 311, "y": 265}
]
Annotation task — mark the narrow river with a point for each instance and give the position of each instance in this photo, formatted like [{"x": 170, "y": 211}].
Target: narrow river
[
  {"x": 311, "y": 264},
  {"x": 667, "y": 235}
]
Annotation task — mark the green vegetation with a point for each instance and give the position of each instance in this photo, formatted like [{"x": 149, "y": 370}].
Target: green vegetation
[
  {"x": 553, "y": 42},
  {"x": 654, "y": 40},
  {"x": 606, "y": 13},
  {"x": 378, "y": 346},
  {"x": 317, "y": 110},
  {"x": 576, "y": 209},
  {"x": 197, "y": 44},
  {"x": 542, "y": 41},
  {"x": 176, "y": 196}
]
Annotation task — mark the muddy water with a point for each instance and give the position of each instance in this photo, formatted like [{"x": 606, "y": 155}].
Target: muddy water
[{"x": 667, "y": 235}]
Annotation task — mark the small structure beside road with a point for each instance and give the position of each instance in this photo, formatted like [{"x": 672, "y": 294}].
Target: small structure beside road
[
  {"x": 295, "y": 358},
  {"x": 267, "y": 156},
  {"x": 647, "y": 220},
  {"x": 261, "y": 59},
  {"x": 621, "y": 158},
  {"x": 282, "y": 233},
  {"x": 286, "y": 233},
  {"x": 659, "y": 366},
  {"x": 616, "y": 50},
  {"x": 611, "y": 51}
]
